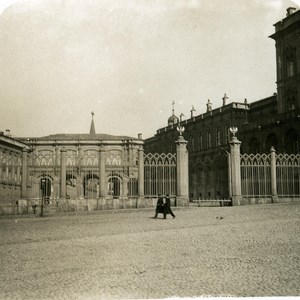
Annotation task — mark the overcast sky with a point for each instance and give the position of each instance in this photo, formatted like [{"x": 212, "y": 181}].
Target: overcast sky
[{"x": 127, "y": 60}]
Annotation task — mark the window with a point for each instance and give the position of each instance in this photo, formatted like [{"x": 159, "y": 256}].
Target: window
[
  {"x": 218, "y": 137},
  {"x": 290, "y": 61},
  {"x": 200, "y": 142},
  {"x": 226, "y": 135},
  {"x": 290, "y": 64},
  {"x": 208, "y": 139},
  {"x": 291, "y": 103},
  {"x": 192, "y": 143}
]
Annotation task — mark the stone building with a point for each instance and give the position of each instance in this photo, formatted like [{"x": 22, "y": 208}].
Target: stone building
[
  {"x": 11, "y": 169},
  {"x": 273, "y": 121},
  {"x": 71, "y": 171}
]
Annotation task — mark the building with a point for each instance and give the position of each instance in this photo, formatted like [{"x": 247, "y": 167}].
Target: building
[
  {"x": 11, "y": 169},
  {"x": 273, "y": 121},
  {"x": 70, "y": 171}
]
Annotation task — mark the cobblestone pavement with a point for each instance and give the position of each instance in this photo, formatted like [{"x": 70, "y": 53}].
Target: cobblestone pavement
[{"x": 205, "y": 251}]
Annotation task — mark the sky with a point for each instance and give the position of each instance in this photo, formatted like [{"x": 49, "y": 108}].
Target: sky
[{"x": 128, "y": 60}]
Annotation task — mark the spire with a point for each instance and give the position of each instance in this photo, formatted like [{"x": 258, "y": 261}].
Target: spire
[
  {"x": 173, "y": 119},
  {"x": 92, "y": 129}
]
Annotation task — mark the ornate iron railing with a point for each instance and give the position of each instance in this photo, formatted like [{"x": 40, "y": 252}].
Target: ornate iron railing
[
  {"x": 257, "y": 179},
  {"x": 256, "y": 175},
  {"x": 287, "y": 175},
  {"x": 159, "y": 174}
]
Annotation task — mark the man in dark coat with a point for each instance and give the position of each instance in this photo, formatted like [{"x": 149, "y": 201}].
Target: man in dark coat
[
  {"x": 167, "y": 207},
  {"x": 159, "y": 205}
]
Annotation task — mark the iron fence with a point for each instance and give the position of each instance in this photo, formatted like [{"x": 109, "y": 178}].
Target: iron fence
[
  {"x": 256, "y": 175},
  {"x": 257, "y": 178},
  {"x": 287, "y": 175},
  {"x": 160, "y": 174}
]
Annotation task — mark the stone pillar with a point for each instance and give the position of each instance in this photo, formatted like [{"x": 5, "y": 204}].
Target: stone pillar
[
  {"x": 63, "y": 171},
  {"x": 141, "y": 173},
  {"x": 273, "y": 175},
  {"x": 102, "y": 187},
  {"x": 80, "y": 174},
  {"x": 235, "y": 160},
  {"x": 24, "y": 173},
  {"x": 229, "y": 175},
  {"x": 182, "y": 171}
]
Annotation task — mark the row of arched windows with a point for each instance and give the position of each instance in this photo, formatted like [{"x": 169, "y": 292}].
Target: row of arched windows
[{"x": 290, "y": 143}]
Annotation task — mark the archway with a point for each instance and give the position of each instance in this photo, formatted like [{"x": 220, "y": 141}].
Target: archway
[
  {"x": 46, "y": 189},
  {"x": 91, "y": 186},
  {"x": 271, "y": 141},
  {"x": 291, "y": 141},
  {"x": 114, "y": 186},
  {"x": 71, "y": 182},
  {"x": 254, "y": 146}
]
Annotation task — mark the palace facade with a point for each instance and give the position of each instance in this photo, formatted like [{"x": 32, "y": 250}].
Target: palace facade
[{"x": 273, "y": 121}]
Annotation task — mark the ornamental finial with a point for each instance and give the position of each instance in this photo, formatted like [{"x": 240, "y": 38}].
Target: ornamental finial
[
  {"x": 233, "y": 130},
  {"x": 180, "y": 129}
]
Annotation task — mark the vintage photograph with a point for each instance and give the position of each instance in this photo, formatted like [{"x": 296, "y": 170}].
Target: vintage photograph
[{"x": 149, "y": 149}]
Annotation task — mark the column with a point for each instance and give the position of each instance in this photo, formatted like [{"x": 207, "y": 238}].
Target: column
[
  {"x": 235, "y": 145},
  {"x": 273, "y": 175},
  {"x": 229, "y": 175},
  {"x": 79, "y": 174},
  {"x": 102, "y": 187},
  {"x": 182, "y": 171},
  {"x": 141, "y": 172},
  {"x": 63, "y": 161},
  {"x": 24, "y": 173}
]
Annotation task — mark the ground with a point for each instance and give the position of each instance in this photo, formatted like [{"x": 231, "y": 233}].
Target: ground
[{"x": 205, "y": 251}]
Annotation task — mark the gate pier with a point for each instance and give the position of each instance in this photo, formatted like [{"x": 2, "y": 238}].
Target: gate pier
[{"x": 182, "y": 172}]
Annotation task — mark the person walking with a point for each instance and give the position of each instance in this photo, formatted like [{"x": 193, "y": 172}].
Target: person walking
[
  {"x": 167, "y": 207},
  {"x": 159, "y": 206}
]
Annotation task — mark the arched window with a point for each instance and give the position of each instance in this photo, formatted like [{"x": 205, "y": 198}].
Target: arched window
[
  {"x": 218, "y": 137},
  {"x": 291, "y": 141},
  {"x": 290, "y": 66},
  {"x": 91, "y": 185},
  {"x": 254, "y": 146},
  {"x": 200, "y": 142},
  {"x": 46, "y": 189},
  {"x": 291, "y": 103},
  {"x": 208, "y": 139},
  {"x": 114, "y": 185},
  {"x": 290, "y": 61},
  {"x": 271, "y": 141}
]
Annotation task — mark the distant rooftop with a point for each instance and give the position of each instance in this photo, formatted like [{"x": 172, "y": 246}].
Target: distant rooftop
[{"x": 79, "y": 136}]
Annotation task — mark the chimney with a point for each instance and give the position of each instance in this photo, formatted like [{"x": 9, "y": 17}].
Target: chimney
[
  {"x": 290, "y": 11},
  {"x": 140, "y": 136}
]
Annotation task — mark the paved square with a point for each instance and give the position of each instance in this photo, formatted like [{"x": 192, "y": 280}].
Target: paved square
[{"x": 219, "y": 251}]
